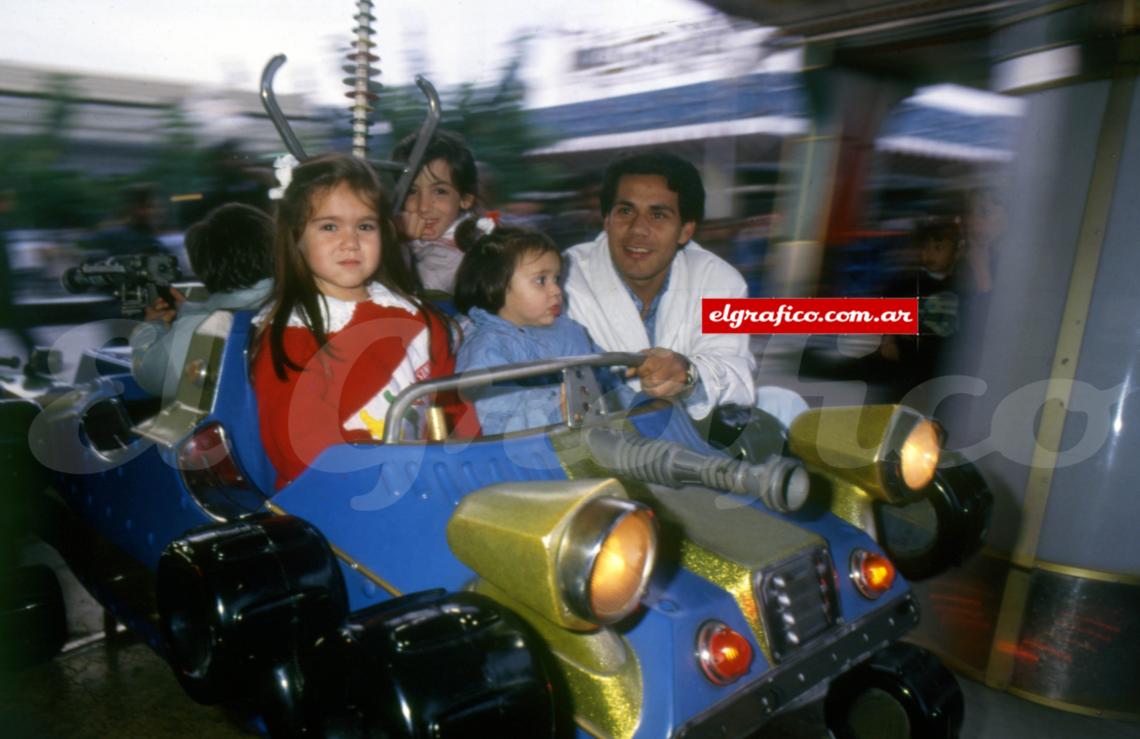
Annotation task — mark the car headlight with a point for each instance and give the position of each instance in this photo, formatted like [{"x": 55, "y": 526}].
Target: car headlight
[
  {"x": 606, "y": 557},
  {"x": 888, "y": 450},
  {"x": 580, "y": 553},
  {"x": 919, "y": 455}
]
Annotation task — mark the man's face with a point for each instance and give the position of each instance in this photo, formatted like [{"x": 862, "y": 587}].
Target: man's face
[{"x": 645, "y": 230}]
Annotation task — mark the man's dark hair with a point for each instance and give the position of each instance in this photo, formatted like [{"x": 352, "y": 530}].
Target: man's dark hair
[
  {"x": 680, "y": 176},
  {"x": 451, "y": 148},
  {"x": 231, "y": 248}
]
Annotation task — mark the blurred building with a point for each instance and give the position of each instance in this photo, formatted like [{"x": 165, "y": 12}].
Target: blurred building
[
  {"x": 722, "y": 93},
  {"x": 717, "y": 91},
  {"x": 116, "y": 125}
]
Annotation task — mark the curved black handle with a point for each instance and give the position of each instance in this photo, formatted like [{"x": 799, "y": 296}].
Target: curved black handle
[
  {"x": 269, "y": 102},
  {"x": 427, "y": 130}
]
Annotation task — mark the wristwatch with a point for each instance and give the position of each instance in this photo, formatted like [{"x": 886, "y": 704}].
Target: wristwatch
[{"x": 691, "y": 376}]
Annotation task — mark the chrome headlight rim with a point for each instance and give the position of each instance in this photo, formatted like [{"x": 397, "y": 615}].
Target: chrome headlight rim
[{"x": 581, "y": 544}]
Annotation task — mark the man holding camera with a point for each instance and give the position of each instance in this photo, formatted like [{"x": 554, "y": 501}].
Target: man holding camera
[{"x": 231, "y": 251}]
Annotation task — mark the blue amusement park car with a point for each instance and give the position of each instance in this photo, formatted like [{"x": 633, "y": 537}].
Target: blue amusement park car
[{"x": 614, "y": 575}]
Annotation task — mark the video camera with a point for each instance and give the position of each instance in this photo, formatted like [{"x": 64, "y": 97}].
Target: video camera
[{"x": 135, "y": 279}]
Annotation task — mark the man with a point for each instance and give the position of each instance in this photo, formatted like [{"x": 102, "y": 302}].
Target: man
[
  {"x": 137, "y": 232},
  {"x": 231, "y": 251},
  {"x": 640, "y": 283}
]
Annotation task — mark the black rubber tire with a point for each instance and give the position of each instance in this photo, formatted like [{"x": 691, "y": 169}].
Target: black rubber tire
[
  {"x": 901, "y": 692},
  {"x": 434, "y": 664},
  {"x": 33, "y": 619},
  {"x": 237, "y": 599},
  {"x": 961, "y": 504}
]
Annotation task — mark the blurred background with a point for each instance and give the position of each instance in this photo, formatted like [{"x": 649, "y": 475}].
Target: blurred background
[
  {"x": 983, "y": 155},
  {"x": 148, "y": 116}
]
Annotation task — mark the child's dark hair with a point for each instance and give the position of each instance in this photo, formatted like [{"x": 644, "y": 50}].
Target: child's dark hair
[
  {"x": 294, "y": 288},
  {"x": 939, "y": 228},
  {"x": 231, "y": 248},
  {"x": 490, "y": 262},
  {"x": 451, "y": 148}
]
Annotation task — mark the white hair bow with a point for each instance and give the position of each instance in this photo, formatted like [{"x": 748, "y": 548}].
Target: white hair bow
[
  {"x": 283, "y": 169},
  {"x": 487, "y": 223}
]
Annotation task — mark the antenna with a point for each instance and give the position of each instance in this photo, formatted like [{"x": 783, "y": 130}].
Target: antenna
[{"x": 363, "y": 89}]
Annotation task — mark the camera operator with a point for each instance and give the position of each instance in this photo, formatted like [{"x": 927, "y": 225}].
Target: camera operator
[{"x": 231, "y": 251}]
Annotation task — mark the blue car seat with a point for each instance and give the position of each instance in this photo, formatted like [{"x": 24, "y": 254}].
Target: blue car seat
[{"x": 235, "y": 404}]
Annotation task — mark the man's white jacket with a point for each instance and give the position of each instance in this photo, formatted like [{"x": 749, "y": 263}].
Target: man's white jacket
[{"x": 599, "y": 300}]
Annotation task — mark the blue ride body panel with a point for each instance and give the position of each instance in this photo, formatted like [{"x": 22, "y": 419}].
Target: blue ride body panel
[
  {"x": 235, "y": 405},
  {"x": 133, "y": 506},
  {"x": 665, "y": 640},
  {"x": 387, "y": 505}
]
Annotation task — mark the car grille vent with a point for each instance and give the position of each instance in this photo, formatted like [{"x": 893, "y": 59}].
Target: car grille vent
[{"x": 799, "y": 601}]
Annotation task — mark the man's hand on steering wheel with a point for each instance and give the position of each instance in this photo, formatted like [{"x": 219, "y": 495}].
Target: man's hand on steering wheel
[{"x": 663, "y": 374}]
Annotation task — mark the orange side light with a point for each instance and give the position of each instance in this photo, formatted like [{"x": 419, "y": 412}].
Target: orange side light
[
  {"x": 724, "y": 654},
  {"x": 872, "y": 573}
]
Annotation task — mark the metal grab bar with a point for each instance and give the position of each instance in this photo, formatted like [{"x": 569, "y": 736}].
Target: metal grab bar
[
  {"x": 408, "y": 169},
  {"x": 427, "y": 130},
  {"x": 491, "y": 375},
  {"x": 269, "y": 102}
]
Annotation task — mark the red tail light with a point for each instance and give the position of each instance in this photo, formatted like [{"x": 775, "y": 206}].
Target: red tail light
[
  {"x": 724, "y": 655},
  {"x": 206, "y": 461}
]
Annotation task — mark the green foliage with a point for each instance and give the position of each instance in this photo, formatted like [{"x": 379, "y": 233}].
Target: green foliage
[
  {"x": 492, "y": 120},
  {"x": 178, "y": 164},
  {"x": 44, "y": 193}
]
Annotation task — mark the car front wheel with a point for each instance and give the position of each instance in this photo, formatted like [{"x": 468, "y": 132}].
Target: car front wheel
[{"x": 901, "y": 692}]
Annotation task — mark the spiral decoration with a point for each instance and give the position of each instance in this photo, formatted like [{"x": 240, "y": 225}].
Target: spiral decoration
[{"x": 364, "y": 90}]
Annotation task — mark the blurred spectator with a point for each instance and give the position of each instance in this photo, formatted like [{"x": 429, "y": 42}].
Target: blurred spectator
[
  {"x": 578, "y": 220},
  {"x": 10, "y": 319},
  {"x": 525, "y": 214},
  {"x": 915, "y": 359},
  {"x": 231, "y": 250},
  {"x": 717, "y": 235},
  {"x": 136, "y": 232},
  {"x": 985, "y": 226},
  {"x": 749, "y": 251},
  {"x": 230, "y": 177}
]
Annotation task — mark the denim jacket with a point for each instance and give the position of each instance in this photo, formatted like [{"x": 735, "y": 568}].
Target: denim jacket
[{"x": 490, "y": 341}]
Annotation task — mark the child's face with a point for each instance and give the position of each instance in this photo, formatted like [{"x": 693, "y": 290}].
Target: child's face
[
  {"x": 534, "y": 297},
  {"x": 435, "y": 200},
  {"x": 938, "y": 255},
  {"x": 341, "y": 243}
]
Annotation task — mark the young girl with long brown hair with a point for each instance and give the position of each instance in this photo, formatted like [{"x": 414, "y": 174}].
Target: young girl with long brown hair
[{"x": 344, "y": 332}]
